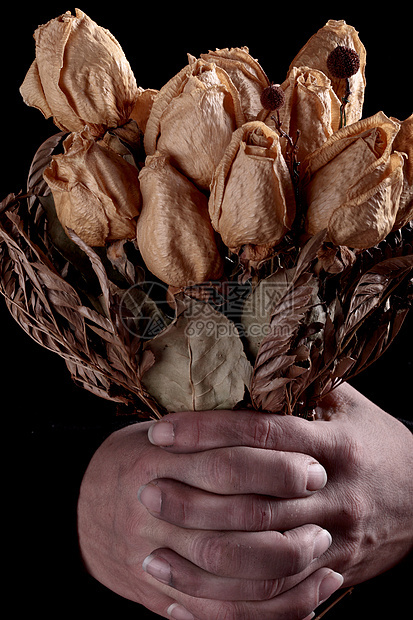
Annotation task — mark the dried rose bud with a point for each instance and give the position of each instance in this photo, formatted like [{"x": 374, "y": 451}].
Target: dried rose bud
[
  {"x": 311, "y": 107},
  {"x": 174, "y": 232},
  {"x": 96, "y": 192},
  {"x": 343, "y": 62},
  {"x": 246, "y": 73},
  {"x": 353, "y": 183},
  {"x": 316, "y": 51},
  {"x": 193, "y": 118},
  {"x": 272, "y": 97},
  {"x": 80, "y": 76},
  {"x": 404, "y": 144},
  {"x": 252, "y": 197}
]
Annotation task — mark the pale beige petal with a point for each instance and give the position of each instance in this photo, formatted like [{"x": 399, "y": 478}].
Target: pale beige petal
[
  {"x": 174, "y": 233},
  {"x": 143, "y": 107},
  {"x": 353, "y": 183},
  {"x": 315, "y": 52},
  {"x": 32, "y": 91},
  {"x": 192, "y": 120},
  {"x": 368, "y": 218},
  {"x": 404, "y": 144},
  {"x": 96, "y": 191},
  {"x": 311, "y": 107},
  {"x": 83, "y": 73},
  {"x": 252, "y": 198},
  {"x": 246, "y": 73}
]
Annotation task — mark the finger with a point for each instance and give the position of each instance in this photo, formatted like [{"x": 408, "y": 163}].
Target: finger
[
  {"x": 297, "y": 603},
  {"x": 197, "y": 431},
  {"x": 171, "y": 569},
  {"x": 189, "y": 507},
  {"x": 268, "y": 555},
  {"x": 247, "y": 470}
]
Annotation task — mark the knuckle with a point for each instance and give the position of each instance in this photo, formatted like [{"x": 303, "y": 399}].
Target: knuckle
[
  {"x": 268, "y": 589},
  {"x": 261, "y": 429},
  {"x": 261, "y": 515},
  {"x": 292, "y": 475},
  {"x": 355, "y": 510},
  {"x": 210, "y": 552},
  {"x": 223, "y": 469}
]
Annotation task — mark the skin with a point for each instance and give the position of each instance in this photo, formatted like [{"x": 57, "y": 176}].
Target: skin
[{"x": 222, "y": 519}]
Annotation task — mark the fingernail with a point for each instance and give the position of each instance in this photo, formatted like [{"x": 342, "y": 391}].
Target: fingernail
[
  {"x": 332, "y": 582},
  {"x": 161, "y": 434},
  {"x": 316, "y": 477},
  {"x": 151, "y": 497},
  {"x": 179, "y": 613},
  {"x": 322, "y": 542},
  {"x": 158, "y": 568}
]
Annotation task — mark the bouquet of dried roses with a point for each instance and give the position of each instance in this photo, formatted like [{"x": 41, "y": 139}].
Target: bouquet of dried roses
[{"x": 223, "y": 241}]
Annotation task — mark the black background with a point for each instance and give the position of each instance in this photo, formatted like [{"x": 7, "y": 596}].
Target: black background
[{"x": 50, "y": 426}]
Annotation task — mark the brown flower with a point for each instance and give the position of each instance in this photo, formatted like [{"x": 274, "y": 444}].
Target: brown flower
[
  {"x": 316, "y": 51},
  {"x": 174, "y": 232},
  {"x": 353, "y": 183},
  {"x": 404, "y": 143},
  {"x": 80, "y": 76},
  {"x": 193, "y": 118},
  {"x": 96, "y": 192},
  {"x": 246, "y": 73},
  {"x": 252, "y": 197},
  {"x": 310, "y": 106}
]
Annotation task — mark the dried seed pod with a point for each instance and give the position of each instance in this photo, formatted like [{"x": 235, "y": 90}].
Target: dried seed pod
[
  {"x": 174, "y": 232},
  {"x": 353, "y": 183},
  {"x": 316, "y": 51},
  {"x": 246, "y": 73},
  {"x": 272, "y": 97},
  {"x": 252, "y": 197},
  {"x": 96, "y": 192},
  {"x": 80, "y": 76},
  {"x": 343, "y": 62},
  {"x": 193, "y": 118}
]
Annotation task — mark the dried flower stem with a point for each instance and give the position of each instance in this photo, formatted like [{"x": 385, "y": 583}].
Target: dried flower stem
[
  {"x": 291, "y": 151},
  {"x": 340, "y": 598},
  {"x": 344, "y": 102}
]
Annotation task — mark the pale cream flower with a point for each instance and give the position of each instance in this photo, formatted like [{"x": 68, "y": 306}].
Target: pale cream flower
[
  {"x": 80, "y": 75},
  {"x": 353, "y": 183},
  {"x": 95, "y": 190},
  {"x": 252, "y": 197},
  {"x": 193, "y": 118},
  {"x": 174, "y": 232}
]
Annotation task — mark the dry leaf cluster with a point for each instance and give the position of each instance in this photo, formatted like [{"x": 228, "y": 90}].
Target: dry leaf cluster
[{"x": 188, "y": 249}]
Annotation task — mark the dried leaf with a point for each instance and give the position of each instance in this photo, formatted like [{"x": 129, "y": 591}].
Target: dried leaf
[
  {"x": 199, "y": 361},
  {"x": 274, "y": 353}
]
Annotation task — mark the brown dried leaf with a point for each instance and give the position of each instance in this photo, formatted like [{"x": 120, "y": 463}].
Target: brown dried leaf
[{"x": 199, "y": 361}]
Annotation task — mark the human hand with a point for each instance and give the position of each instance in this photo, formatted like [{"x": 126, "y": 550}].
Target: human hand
[
  {"x": 366, "y": 504},
  {"x": 226, "y": 559}
]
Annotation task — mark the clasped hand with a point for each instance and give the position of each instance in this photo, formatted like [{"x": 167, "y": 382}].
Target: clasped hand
[{"x": 248, "y": 516}]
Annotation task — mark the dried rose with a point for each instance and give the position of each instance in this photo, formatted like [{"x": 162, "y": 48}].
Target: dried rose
[
  {"x": 252, "y": 197},
  {"x": 247, "y": 75},
  {"x": 174, "y": 232},
  {"x": 80, "y": 76},
  {"x": 404, "y": 143},
  {"x": 193, "y": 118},
  {"x": 96, "y": 191},
  {"x": 353, "y": 183},
  {"x": 310, "y": 106},
  {"x": 315, "y": 54},
  {"x": 143, "y": 106}
]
